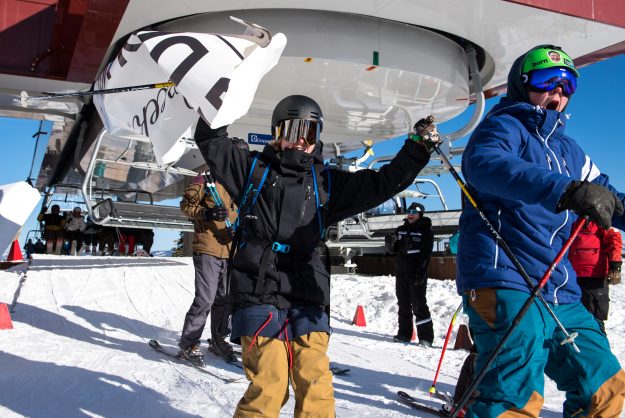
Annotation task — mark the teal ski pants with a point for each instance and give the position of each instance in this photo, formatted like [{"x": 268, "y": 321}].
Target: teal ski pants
[{"x": 514, "y": 384}]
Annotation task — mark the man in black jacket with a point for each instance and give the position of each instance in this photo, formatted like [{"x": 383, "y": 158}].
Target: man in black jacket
[
  {"x": 413, "y": 244},
  {"x": 279, "y": 284}
]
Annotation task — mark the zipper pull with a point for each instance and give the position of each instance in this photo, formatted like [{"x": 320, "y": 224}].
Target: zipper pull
[
  {"x": 548, "y": 160},
  {"x": 566, "y": 169}
]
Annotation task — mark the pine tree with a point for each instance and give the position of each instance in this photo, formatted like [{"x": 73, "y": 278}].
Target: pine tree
[{"x": 177, "y": 250}]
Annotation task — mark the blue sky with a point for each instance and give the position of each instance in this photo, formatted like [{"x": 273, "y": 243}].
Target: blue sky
[{"x": 597, "y": 123}]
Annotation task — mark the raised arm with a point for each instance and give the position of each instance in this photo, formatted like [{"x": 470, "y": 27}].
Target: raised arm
[
  {"x": 352, "y": 193},
  {"x": 228, "y": 164}
]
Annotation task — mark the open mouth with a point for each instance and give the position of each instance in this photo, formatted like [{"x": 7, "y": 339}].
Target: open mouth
[
  {"x": 552, "y": 105},
  {"x": 300, "y": 145}
]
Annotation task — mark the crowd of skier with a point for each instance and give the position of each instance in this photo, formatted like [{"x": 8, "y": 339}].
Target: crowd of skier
[{"x": 71, "y": 233}]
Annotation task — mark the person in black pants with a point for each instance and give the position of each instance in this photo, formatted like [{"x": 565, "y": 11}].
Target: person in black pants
[{"x": 413, "y": 242}]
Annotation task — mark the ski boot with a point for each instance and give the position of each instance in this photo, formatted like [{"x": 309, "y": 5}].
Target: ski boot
[
  {"x": 221, "y": 348},
  {"x": 401, "y": 339},
  {"x": 192, "y": 354}
]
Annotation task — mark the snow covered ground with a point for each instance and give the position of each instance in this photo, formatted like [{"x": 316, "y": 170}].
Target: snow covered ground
[{"x": 81, "y": 326}]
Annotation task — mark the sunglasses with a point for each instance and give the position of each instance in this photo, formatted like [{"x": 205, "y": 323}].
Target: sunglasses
[
  {"x": 294, "y": 129},
  {"x": 548, "y": 79},
  {"x": 413, "y": 212}
]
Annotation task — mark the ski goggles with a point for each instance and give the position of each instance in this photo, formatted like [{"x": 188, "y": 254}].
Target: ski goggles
[
  {"x": 413, "y": 211},
  {"x": 548, "y": 79},
  {"x": 292, "y": 130}
]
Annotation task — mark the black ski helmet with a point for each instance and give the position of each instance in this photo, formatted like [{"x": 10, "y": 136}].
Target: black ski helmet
[
  {"x": 296, "y": 107},
  {"x": 416, "y": 207}
]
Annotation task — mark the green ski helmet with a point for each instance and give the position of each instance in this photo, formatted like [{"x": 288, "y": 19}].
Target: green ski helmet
[
  {"x": 546, "y": 56},
  {"x": 536, "y": 58}
]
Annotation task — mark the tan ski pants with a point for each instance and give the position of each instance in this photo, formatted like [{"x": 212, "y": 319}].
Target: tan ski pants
[{"x": 267, "y": 367}]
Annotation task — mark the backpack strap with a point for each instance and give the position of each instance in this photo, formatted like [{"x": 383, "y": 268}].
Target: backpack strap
[
  {"x": 321, "y": 201},
  {"x": 253, "y": 186}
]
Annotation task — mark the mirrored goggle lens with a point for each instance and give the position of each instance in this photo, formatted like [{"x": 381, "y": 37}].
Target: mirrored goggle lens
[
  {"x": 412, "y": 212},
  {"x": 294, "y": 129},
  {"x": 550, "y": 78}
]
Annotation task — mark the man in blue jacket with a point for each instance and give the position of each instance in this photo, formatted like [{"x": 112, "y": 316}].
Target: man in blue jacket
[{"x": 532, "y": 182}]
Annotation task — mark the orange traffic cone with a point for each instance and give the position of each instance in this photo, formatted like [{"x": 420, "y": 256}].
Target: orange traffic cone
[
  {"x": 414, "y": 334},
  {"x": 15, "y": 253},
  {"x": 463, "y": 339},
  {"x": 5, "y": 317},
  {"x": 359, "y": 317}
]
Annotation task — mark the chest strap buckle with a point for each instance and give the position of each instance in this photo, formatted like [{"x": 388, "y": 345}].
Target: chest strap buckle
[{"x": 280, "y": 248}]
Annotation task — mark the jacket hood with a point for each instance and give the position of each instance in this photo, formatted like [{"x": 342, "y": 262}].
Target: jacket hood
[{"x": 516, "y": 89}]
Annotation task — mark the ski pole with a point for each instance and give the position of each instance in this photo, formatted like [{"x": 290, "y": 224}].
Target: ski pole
[
  {"x": 517, "y": 319},
  {"x": 569, "y": 338},
  {"x": 48, "y": 95},
  {"x": 210, "y": 184},
  {"x": 440, "y": 361}
]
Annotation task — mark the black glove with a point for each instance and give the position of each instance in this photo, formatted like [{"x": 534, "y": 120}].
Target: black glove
[
  {"x": 593, "y": 200},
  {"x": 614, "y": 273},
  {"x": 425, "y": 133},
  {"x": 44, "y": 209},
  {"x": 230, "y": 232},
  {"x": 218, "y": 213}
]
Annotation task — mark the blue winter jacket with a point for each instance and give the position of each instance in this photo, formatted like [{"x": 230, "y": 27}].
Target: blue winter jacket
[{"x": 518, "y": 163}]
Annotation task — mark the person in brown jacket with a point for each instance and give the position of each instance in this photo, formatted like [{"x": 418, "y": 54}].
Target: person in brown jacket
[{"x": 211, "y": 248}]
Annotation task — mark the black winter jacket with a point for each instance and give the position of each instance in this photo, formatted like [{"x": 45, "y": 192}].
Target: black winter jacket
[
  {"x": 286, "y": 212},
  {"x": 414, "y": 247}
]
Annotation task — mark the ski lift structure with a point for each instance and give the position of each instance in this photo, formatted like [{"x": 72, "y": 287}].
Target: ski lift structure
[
  {"x": 133, "y": 207},
  {"x": 364, "y": 234},
  {"x": 64, "y": 195}
]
